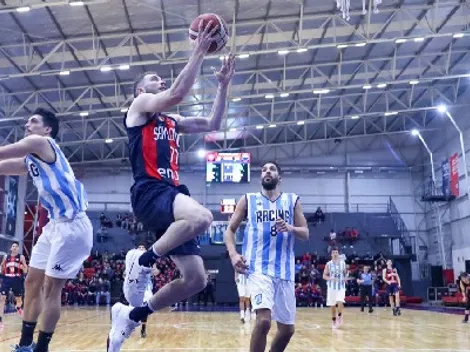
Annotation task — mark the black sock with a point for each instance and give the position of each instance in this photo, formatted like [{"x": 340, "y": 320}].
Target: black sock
[
  {"x": 148, "y": 258},
  {"x": 43, "y": 341},
  {"x": 339, "y": 314},
  {"x": 140, "y": 313},
  {"x": 466, "y": 317},
  {"x": 1, "y": 319},
  {"x": 144, "y": 327},
  {"x": 334, "y": 319},
  {"x": 27, "y": 332}
]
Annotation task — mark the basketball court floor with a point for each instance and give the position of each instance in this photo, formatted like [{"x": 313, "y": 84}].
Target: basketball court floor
[{"x": 85, "y": 329}]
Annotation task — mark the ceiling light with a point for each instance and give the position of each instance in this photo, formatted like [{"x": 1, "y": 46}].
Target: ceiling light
[
  {"x": 232, "y": 129},
  {"x": 284, "y": 95},
  {"x": 84, "y": 113},
  {"x": 301, "y": 50},
  {"x": 360, "y": 44},
  {"x": 400, "y": 41},
  {"x": 355, "y": 117},
  {"x": 243, "y": 56},
  {"x": 321, "y": 91},
  {"x": 458, "y": 35},
  {"x": 236, "y": 99},
  {"x": 221, "y": 58},
  {"x": 442, "y": 108},
  {"x": 105, "y": 69},
  {"x": 124, "y": 109},
  {"x": 201, "y": 153},
  {"x": 64, "y": 73},
  {"x": 414, "y": 81},
  {"x": 414, "y": 132},
  {"x": 367, "y": 86},
  {"x": 300, "y": 123},
  {"x": 76, "y": 3},
  {"x": 23, "y": 9},
  {"x": 124, "y": 67},
  {"x": 108, "y": 140},
  {"x": 259, "y": 127},
  {"x": 271, "y": 126},
  {"x": 420, "y": 39},
  {"x": 283, "y": 52},
  {"x": 381, "y": 85},
  {"x": 391, "y": 113},
  {"x": 343, "y": 46},
  {"x": 269, "y": 96}
]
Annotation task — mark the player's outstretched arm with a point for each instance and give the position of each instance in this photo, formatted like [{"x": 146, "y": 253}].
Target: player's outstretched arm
[
  {"x": 13, "y": 167},
  {"x": 151, "y": 103},
  {"x": 214, "y": 120},
  {"x": 238, "y": 261}
]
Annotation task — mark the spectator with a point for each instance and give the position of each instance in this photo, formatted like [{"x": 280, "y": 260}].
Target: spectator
[
  {"x": 298, "y": 266},
  {"x": 103, "y": 289},
  {"x": 319, "y": 216},
  {"x": 332, "y": 235},
  {"x": 354, "y": 233},
  {"x": 314, "y": 274},
  {"x": 347, "y": 233},
  {"x": 307, "y": 259}
]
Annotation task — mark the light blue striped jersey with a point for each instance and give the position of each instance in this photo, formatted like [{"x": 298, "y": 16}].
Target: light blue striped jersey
[
  {"x": 267, "y": 251},
  {"x": 60, "y": 192},
  {"x": 337, "y": 271}
]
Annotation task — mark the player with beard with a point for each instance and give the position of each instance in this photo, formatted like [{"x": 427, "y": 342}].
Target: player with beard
[{"x": 274, "y": 221}]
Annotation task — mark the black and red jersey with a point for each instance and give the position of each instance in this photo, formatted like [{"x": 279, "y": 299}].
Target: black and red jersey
[
  {"x": 391, "y": 275},
  {"x": 12, "y": 267},
  {"x": 154, "y": 150}
]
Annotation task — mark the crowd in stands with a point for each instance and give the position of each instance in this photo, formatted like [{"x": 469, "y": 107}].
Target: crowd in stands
[{"x": 124, "y": 221}]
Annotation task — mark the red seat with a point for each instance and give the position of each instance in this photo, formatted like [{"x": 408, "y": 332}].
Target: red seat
[
  {"x": 414, "y": 299},
  {"x": 352, "y": 299}
]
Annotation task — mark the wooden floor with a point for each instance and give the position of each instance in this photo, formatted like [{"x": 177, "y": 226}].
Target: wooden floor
[{"x": 85, "y": 329}]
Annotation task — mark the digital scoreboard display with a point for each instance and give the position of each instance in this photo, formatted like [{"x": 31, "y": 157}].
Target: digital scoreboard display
[{"x": 228, "y": 167}]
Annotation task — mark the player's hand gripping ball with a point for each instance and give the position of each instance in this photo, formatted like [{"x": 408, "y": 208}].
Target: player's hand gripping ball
[{"x": 220, "y": 36}]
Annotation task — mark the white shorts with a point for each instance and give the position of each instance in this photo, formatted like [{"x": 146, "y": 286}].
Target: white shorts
[
  {"x": 274, "y": 294},
  {"x": 243, "y": 290},
  {"x": 63, "y": 247},
  {"x": 335, "y": 296}
]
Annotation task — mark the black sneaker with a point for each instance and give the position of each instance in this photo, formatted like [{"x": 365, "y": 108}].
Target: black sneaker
[
  {"x": 398, "y": 311},
  {"x": 395, "y": 312},
  {"x": 143, "y": 334},
  {"x": 371, "y": 310}
]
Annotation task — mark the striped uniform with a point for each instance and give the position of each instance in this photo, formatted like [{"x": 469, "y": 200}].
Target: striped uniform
[
  {"x": 242, "y": 285},
  {"x": 12, "y": 276},
  {"x": 270, "y": 255},
  {"x": 67, "y": 239},
  {"x": 336, "y": 288}
]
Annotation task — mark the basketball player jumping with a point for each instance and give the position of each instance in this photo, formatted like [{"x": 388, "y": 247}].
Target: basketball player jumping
[
  {"x": 66, "y": 240},
  {"x": 392, "y": 280},
  {"x": 465, "y": 290},
  {"x": 13, "y": 268},
  {"x": 274, "y": 221},
  {"x": 244, "y": 295},
  {"x": 158, "y": 200},
  {"x": 335, "y": 274}
]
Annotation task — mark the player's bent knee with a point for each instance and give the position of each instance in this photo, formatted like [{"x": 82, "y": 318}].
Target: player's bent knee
[
  {"x": 287, "y": 331},
  {"x": 197, "y": 282},
  {"x": 264, "y": 325},
  {"x": 202, "y": 220}
]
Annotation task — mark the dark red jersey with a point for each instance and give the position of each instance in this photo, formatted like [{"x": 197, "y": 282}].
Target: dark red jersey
[
  {"x": 12, "y": 266},
  {"x": 154, "y": 150}
]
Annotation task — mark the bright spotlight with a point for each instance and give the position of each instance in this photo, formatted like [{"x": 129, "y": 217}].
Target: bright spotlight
[
  {"x": 442, "y": 109},
  {"x": 201, "y": 153},
  {"x": 414, "y": 132}
]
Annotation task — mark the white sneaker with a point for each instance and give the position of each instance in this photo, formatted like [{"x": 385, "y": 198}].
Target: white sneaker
[{"x": 121, "y": 328}]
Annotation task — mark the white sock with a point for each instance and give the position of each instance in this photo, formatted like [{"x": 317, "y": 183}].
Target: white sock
[{"x": 242, "y": 314}]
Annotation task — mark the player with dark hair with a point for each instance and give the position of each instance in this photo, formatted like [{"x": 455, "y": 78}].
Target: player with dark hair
[
  {"x": 336, "y": 274},
  {"x": 66, "y": 240},
  {"x": 13, "y": 267},
  {"x": 392, "y": 279},
  {"x": 465, "y": 290},
  {"x": 275, "y": 220},
  {"x": 158, "y": 199}
]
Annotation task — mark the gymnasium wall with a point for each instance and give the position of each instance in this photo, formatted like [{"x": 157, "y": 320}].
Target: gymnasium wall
[{"x": 456, "y": 214}]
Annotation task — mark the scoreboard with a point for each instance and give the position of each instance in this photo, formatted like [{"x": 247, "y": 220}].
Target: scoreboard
[{"x": 228, "y": 167}]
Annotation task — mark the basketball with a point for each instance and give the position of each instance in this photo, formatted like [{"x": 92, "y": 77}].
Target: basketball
[{"x": 221, "y": 37}]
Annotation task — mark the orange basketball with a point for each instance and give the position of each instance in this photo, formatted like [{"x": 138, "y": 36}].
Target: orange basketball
[{"x": 221, "y": 37}]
